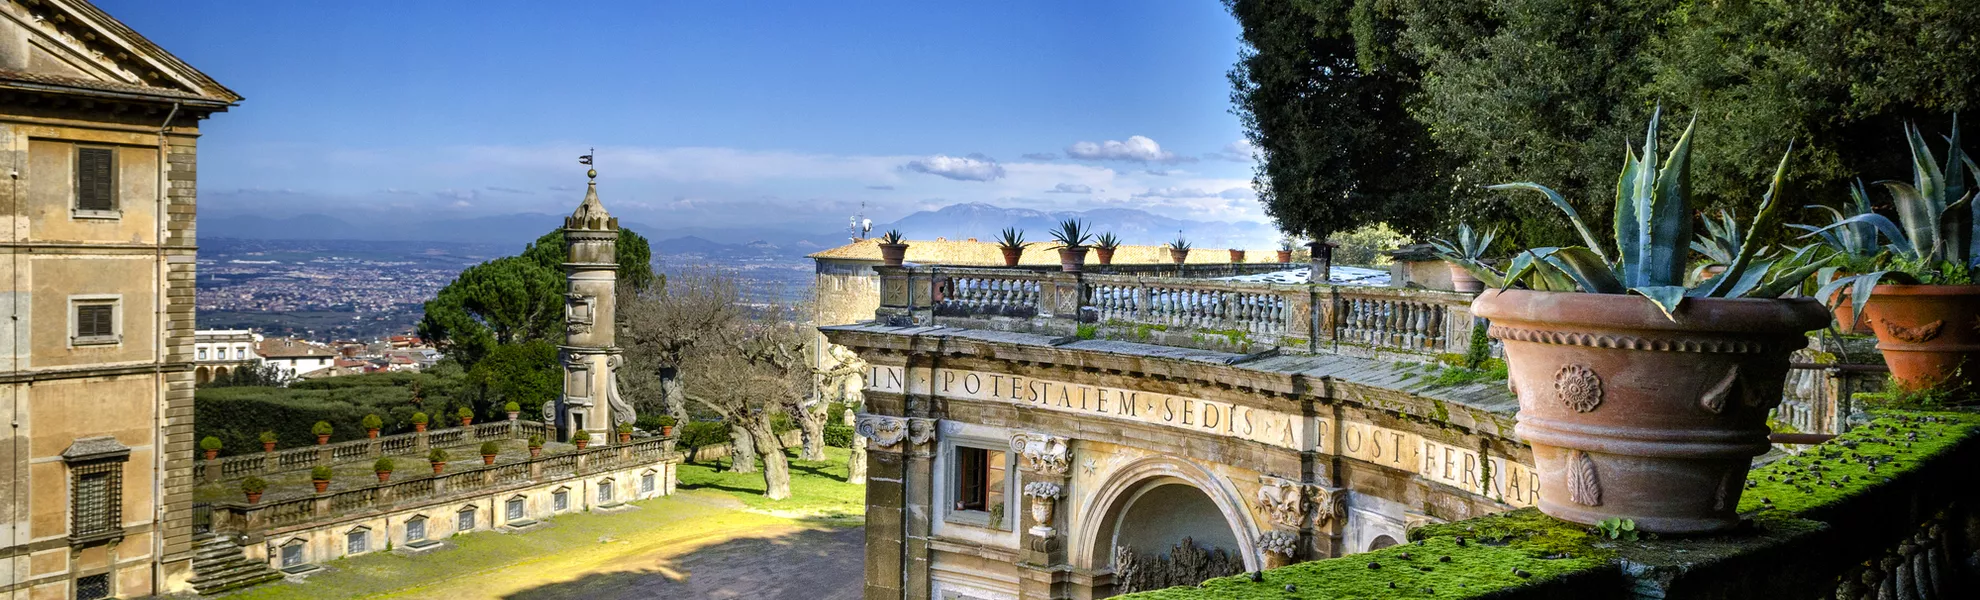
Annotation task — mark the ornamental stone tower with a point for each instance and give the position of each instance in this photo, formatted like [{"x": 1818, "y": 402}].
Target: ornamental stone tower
[{"x": 590, "y": 352}]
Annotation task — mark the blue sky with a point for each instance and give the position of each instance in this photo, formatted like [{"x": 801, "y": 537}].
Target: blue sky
[{"x": 771, "y": 114}]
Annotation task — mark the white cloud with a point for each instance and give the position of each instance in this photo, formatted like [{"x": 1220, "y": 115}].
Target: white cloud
[
  {"x": 959, "y": 168},
  {"x": 1070, "y": 188},
  {"x": 1174, "y": 192},
  {"x": 1239, "y": 193},
  {"x": 1238, "y": 151},
  {"x": 1041, "y": 156},
  {"x": 1135, "y": 149}
]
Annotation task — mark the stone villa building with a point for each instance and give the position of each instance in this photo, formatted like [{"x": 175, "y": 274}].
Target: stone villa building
[{"x": 98, "y": 127}]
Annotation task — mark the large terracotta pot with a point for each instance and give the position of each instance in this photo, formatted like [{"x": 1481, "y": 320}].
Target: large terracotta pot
[
  {"x": 1071, "y": 258},
  {"x": 211, "y": 454},
  {"x": 1011, "y": 255},
  {"x": 1463, "y": 281},
  {"x": 487, "y": 459},
  {"x": 1929, "y": 334},
  {"x": 1237, "y": 256},
  {"x": 322, "y": 485},
  {"x": 384, "y": 476},
  {"x": 1179, "y": 255},
  {"x": 1285, "y": 256},
  {"x": 1634, "y": 415},
  {"x": 1105, "y": 255},
  {"x": 253, "y": 497},
  {"x": 893, "y": 254},
  {"x": 371, "y": 434}
]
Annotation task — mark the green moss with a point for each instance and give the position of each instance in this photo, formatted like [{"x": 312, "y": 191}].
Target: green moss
[
  {"x": 1450, "y": 376},
  {"x": 1235, "y": 336},
  {"x": 1854, "y": 462},
  {"x": 1495, "y": 551},
  {"x": 1087, "y": 331},
  {"x": 1443, "y": 412}
]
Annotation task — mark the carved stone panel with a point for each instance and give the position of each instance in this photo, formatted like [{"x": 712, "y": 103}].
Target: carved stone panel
[
  {"x": 886, "y": 432},
  {"x": 1044, "y": 454}
]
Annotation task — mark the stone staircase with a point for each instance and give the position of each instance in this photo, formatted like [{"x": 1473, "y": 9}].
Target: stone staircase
[{"x": 219, "y": 566}]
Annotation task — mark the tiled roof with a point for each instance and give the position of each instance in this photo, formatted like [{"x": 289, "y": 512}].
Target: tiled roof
[
  {"x": 970, "y": 252},
  {"x": 290, "y": 348}
]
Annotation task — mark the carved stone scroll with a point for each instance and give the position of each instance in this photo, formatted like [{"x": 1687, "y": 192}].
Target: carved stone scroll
[
  {"x": 1040, "y": 453},
  {"x": 886, "y": 432}
]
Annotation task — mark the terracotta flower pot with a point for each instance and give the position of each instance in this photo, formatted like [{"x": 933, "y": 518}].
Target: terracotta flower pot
[
  {"x": 625, "y": 437},
  {"x": 1929, "y": 334},
  {"x": 322, "y": 485},
  {"x": 466, "y": 421},
  {"x": 1237, "y": 256},
  {"x": 1071, "y": 258},
  {"x": 1011, "y": 255},
  {"x": 419, "y": 427},
  {"x": 582, "y": 443},
  {"x": 384, "y": 476},
  {"x": 893, "y": 254},
  {"x": 439, "y": 466},
  {"x": 322, "y": 439},
  {"x": 666, "y": 430},
  {"x": 1285, "y": 256},
  {"x": 1634, "y": 415},
  {"x": 268, "y": 446},
  {"x": 211, "y": 454},
  {"x": 487, "y": 459},
  {"x": 536, "y": 451},
  {"x": 253, "y": 497},
  {"x": 371, "y": 433},
  {"x": 1463, "y": 281},
  {"x": 1178, "y": 255},
  {"x": 1104, "y": 255}
]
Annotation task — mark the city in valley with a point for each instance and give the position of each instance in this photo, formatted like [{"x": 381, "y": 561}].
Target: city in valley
[{"x": 1238, "y": 299}]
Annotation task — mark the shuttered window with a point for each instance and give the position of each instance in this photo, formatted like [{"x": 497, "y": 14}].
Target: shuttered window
[
  {"x": 96, "y": 320},
  {"x": 96, "y": 499},
  {"x": 96, "y": 179}
]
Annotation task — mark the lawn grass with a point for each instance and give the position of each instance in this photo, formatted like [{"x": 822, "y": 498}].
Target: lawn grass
[{"x": 818, "y": 489}]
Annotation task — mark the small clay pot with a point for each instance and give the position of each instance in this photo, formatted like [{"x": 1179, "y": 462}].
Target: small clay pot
[
  {"x": 625, "y": 437},
  {"x": 1011, "y": 255},
  {"x": 1071, "y": 258},
  {"x": 384, "y": 476},
  {"x": 322, "y": 439},
  {"x": 1179, "y": 255},
  {"x": 1463, "y": 281},
  {"x": 211, "y": 454},
  {"x": 1285, "y": 256},
  {"x": 893, "y": 254},
  {"x": 536, "y": 452},
  {"x": 419, "y": 427},
  {"x": 1929, "y": 334},
  {"x": 253, "y": 497},
  {"x": 513, "y": 415},
  {"x": 582, "y": 444},
  {"x": 666, "y": 430},
  {"x": 487, "y": 459},
  {"x": 371, "y": 433},
  {"x": 268, "y": 446},
  {"x": 1635, "y": 415},
  {"x": 466, "y": 421},
  {"x": 322, "y": 485},
  {"x": 439, "y": 466},
  {"x": 1104, "y": 255},
  {"x": 1237, "y": 256}
]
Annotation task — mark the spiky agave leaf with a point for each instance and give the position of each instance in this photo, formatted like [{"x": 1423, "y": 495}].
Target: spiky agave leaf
[
  {"x": 1587, "y": 270},
  {"x": 1860, "y": 287},
  {"x": 1587, "y": 237},
  {"x": 1667, "y": 219},
  {"x": 1766, "y": 219}
]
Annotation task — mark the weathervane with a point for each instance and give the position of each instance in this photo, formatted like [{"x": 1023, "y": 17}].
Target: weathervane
[{"x": 586, "y": 161}]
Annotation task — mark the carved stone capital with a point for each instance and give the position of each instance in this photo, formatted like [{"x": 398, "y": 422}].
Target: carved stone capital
[
  {"x": 921, "y": 431},
  {"x": 1040, "y": 453},
  {"x": 886, "y": 432},
  {"x": 1283, "y": 500},
  {"x": 1328, "y": 504}
]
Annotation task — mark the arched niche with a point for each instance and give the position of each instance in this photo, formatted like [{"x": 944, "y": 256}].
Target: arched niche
[{"x": 1134, "y": 498}]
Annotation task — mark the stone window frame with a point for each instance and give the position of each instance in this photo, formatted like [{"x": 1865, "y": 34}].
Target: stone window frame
[
  {"x": 116, "y": 303},
  {"x": 76, "y": 211},
  {"x": 294, "y": 549},
  {"x": 362, "y": 535},
  {"x": 420, "y": 522},
  {"x": 649, "y": 481},
  {"x": 111, "y": 466},
  {"x": 995, "y": 440},
  {"x": 516, "y": 508},
  {"x": 560, "y": 499},
  {"x": 202, "y": 353},
  {"x": 607, "y": 492},
  {"x": 466, "y": 519}
]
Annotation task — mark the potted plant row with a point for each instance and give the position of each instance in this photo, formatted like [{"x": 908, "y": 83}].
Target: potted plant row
[
  {"x": 322, "y": 429},
  {"x": 383, "y": 467},
  {"x": 1072, "y": 235},
  {"x": 1642, "y": 397},
  {"x": 371, "y": 426},
  {"x": 1922, "y": 301}
]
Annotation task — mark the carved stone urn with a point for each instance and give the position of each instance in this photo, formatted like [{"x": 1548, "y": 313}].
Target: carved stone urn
[
  {"x": 1044, "y": 495},
  {"x": 1636, "y": 415}
]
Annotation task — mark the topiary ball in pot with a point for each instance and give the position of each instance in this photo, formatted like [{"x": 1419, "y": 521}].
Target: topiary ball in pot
[{"x": 1644, "y": 399}]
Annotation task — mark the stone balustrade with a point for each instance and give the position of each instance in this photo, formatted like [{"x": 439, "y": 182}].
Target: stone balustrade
[
  {"x": 1181, "y": 311},
  {"x": 415, "y": 443}
]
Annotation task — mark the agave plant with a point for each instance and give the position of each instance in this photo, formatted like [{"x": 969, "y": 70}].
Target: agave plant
[
  {"x": 1855, "y": 244},
  {"x": 1722, "y": 239},
  {"x": 1073, "y": 233},
  {"x": 1288, "y": 244},
  {"x": 1652, "y": 228},
  {"x": 1011, "y": 237},
  {"x": 1107, "y": 241},
  {"x": 1935, "y": 240},
  {"x": 893, "y": 236},
  {"x": 1468, "y": 251},
  {"x": 1179, "y": 244}
]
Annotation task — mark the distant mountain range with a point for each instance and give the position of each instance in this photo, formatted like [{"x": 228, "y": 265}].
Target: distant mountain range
[{"x": 959, "y": 221}]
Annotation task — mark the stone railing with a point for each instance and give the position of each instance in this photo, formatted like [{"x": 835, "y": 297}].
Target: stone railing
[
  {"x": 356, "y": 450},
  {"x": 1194, "y": 270},
  {"x": 240, "y": 517},
  {"x": 1210, "y": 314},
  {"x": 1883, "y": 512}
]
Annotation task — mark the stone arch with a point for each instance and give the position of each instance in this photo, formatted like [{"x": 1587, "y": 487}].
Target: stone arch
[
  {"x": 202, "y": 375},
  {"x": 1093, "y": 538},
  {"x": 1380, "y": 542},
  {"x": 220, "y": 372}
]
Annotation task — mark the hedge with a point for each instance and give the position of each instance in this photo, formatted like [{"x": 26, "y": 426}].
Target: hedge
[
  {"x": 839, "y": 436},
  {"x": 237, "y": 415}
]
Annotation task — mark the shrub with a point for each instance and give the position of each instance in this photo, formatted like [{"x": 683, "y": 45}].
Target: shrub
[
  {"x": 384, "y": 465},
  {"x": 839, "y": 436},
  {"x": 488, "y": 448},
  {"x": 321, "y": 428},
  {"x": 210, "y": 443},
  {"x": 267, "y": 436},
  {"x": 512, "y": 407},
  {"x": 625, "y": 428},
  {"x": 464, "y": 413},
  {"x": 419, "y": 418},
  {"x": 780, "y": 423},
  {"x": 237, "y": 414},
  {"x": 650, "y": 422},
  {"x": 321, "y": 473},
  {"x": 371, "y": 421},
  {"x": 254, "y": 485},
  {"x": 581, "y": 436},
  {"x": 536, "y": 441},
  {"x": 668, "y": 421},
  {"x": 437, "y": 455},
  {"x": 704, "y": 433},
  {"x": 1368, "y": 245}
]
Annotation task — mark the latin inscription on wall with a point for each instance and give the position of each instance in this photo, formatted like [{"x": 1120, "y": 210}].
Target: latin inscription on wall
[{"x": 1490, "y": 476}]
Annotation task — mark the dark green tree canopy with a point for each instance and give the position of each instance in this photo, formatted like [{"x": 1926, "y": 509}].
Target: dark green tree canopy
[
  {"x": 1551, "y": 91},
  {"x": 518, "y": 299}
]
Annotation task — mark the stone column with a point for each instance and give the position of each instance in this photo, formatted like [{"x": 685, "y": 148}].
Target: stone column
[
  {"x": 589, "y": 353},
  {"x": 920, "y": 486},
  {"x": 1323, "y": 260},
  {"x": 1045, "y": 465},
  {"x": 886, "y": 504}
]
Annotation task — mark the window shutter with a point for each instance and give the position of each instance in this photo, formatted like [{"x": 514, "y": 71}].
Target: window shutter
[
  {"x": 95, "y": 180},
  {"x": 94, "y": 320}
]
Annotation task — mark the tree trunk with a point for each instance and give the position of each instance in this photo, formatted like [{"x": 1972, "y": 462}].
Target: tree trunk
[
  {"x": 742, "y": 449},
  {"x": 856, "y": 465},
  {"x": 812, "y": 421},
  {"x": 776, "y": 468}
]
